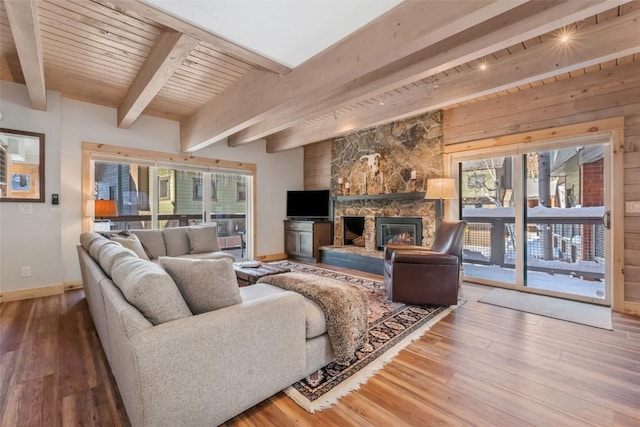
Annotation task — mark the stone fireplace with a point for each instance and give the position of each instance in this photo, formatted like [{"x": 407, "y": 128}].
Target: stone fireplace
[
  {"x": 410, "y": 152},
  {"x": 414, "y": 209}
]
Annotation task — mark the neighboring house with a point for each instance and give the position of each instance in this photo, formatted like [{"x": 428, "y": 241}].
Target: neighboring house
[
  {"x": 179, "y": 193},
  {"x": 487, "y": 183}
]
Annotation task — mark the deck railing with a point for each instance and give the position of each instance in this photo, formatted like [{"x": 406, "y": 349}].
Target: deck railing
[{"x": 571, "y": 242}]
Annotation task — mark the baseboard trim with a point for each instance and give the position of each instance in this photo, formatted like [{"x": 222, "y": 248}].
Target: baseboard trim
[
  {"x": 271, "y": 257},
  {"x": 20, "y": 294},
  {"x": 632, "y": 308},
  {"x": 71, "y": 285},
  {"x": 43, "y": 291}
]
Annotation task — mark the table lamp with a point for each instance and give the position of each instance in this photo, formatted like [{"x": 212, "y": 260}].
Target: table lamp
[{"x": 102, "y": 209}]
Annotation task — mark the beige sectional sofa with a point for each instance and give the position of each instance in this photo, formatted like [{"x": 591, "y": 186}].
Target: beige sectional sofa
[{"x": 176, "y": 368}]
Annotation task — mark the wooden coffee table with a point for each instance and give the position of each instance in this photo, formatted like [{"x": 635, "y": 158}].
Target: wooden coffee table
[{"x": 250, "y": 275}]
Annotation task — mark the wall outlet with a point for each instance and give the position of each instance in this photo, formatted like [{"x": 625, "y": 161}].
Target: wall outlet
[
  {"x": 25, "y": 209},
  {"x": 26, "y": 271}
]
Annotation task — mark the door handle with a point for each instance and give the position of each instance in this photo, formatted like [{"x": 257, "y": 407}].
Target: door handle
[{"x": 606, "y": 219}]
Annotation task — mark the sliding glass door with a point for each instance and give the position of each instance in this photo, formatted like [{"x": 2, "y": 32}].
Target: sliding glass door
[
  {"x": 536, "y": 219},
  {"x": 488, "y": 206},
  {"x": 164, "y": 195}
]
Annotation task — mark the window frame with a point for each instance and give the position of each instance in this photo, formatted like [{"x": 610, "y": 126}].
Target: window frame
[
  {"x": 197, "y": 188},
  {"x": 92, "y": 152},
  {"x": 163, "y": 187}
]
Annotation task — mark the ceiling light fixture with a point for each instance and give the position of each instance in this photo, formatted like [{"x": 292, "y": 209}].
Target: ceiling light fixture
[
  {"x": 382, "y": 100},
  {"x": 436, "y": 84},
  {"x": 483, "y": 66},
  {"x": 566, "y": 35}
]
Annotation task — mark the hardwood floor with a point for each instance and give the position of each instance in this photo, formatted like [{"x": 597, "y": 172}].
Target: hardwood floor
[{"x": 481, "y": 365}]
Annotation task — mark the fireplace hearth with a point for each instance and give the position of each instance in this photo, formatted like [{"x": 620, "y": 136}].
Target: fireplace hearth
[{"x": 398, "y": 230}]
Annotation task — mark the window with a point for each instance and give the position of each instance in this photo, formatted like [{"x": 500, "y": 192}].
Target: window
[
  {"x": 242, "y": 192},
  {"x": 163, "y": 189},
  {"x": 163, "y": 193},
  {"x": 197, "y": 188}
]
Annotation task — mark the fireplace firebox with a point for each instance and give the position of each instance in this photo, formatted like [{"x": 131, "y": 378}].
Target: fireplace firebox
[
  {"x": 398, "y": 230},
  {"x": 353, "y": 230}
]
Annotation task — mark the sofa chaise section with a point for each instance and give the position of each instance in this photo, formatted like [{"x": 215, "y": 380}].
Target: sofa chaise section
[{"x": 200, "y": 369}]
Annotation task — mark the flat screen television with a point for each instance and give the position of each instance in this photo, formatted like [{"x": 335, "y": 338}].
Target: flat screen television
[{"x": 309, "y": 204}]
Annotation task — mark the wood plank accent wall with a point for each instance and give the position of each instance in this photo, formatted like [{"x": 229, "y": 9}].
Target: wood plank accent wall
[
  {"x": 612, "y": 92},
  {"x": 317, "y": 165}
]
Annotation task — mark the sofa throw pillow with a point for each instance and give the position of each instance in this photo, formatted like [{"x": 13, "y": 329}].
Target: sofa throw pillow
[
  {"x": 149, "y": 288},
  {"x": 176, "y": 240},
  {"x": 152, "y": 242},
  {"x": 129, "y": 241},
  {"x": 203, "y": 239},
  {"x": 205, "y": 284}
]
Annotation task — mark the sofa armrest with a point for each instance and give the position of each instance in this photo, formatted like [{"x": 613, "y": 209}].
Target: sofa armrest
[
  {"x": 207, "y": 368},
  {"x": 423, "y": 257}
]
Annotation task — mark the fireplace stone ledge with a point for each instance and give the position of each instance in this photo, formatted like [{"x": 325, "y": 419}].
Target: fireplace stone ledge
[
  {"x": 353, "y": 257},
  {"x": 352, "y": 249}
]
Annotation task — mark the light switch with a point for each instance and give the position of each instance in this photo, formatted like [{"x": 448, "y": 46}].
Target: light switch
[{"x": 632, "y": 207}]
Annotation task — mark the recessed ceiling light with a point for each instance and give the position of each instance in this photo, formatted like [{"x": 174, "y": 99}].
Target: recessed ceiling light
[
  {"x": 566, "y": 35},
  {"x": 483, "y": 66}
]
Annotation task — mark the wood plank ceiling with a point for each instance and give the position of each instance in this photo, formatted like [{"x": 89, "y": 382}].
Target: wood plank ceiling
[{"x": 127, "y": 55}]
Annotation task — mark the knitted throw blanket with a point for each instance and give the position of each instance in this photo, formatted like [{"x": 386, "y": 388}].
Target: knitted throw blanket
[{"x": 346, "y": 309}]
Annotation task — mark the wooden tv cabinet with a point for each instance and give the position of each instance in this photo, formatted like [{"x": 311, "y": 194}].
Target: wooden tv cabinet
[{"x": 302, "y": 239}]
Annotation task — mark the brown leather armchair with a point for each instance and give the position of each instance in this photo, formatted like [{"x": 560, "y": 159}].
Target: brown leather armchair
[{"x": 418, "y": 275}]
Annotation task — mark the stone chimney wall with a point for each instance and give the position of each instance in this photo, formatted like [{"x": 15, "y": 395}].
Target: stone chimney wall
[{"x": 413, "y": 144}]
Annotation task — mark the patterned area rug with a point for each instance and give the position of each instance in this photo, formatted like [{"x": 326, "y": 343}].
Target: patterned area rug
[{"x": 392, "y": 326}]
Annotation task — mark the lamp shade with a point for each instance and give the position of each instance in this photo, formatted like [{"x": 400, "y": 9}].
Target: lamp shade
[
  {"x": 441, "y": 188},
  {"x": 105, "y": 208}
]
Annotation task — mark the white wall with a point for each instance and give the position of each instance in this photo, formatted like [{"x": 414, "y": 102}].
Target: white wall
[
  {"x": 32, "y": 239},
  {"x": 73, "y": 122}
]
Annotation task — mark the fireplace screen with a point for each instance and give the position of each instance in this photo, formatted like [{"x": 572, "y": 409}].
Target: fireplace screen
[{"x": 401, "y": 230}]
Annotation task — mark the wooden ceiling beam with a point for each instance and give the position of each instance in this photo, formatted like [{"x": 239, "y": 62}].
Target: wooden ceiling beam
[
  {"x": 402, "y": 31},
  {"x": 25, "y": 28},
  {"x": 220, "y": 44},
  {"x": 515, "y": 26},
  {"x": 593, "y": 45},
  {"x": 167, "y": 55}
]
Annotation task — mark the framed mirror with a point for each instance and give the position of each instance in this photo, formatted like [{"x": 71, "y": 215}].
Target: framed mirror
[{"x": 21, "y": 166}]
